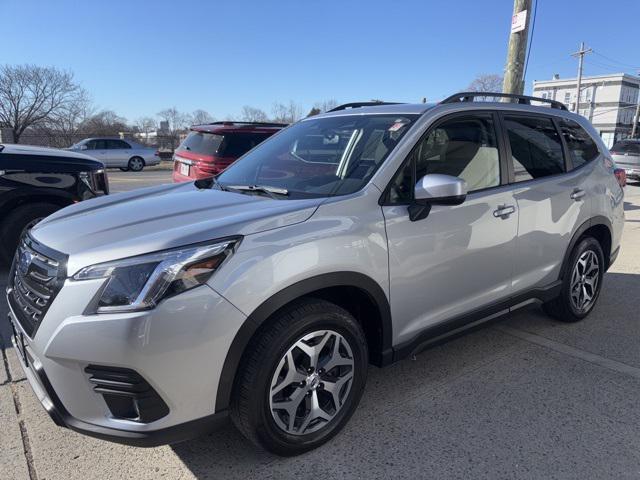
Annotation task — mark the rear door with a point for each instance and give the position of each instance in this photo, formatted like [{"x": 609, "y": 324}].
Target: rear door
[
  {"x": 553, "y": 200},
  {"x": 458, "y": 259}
]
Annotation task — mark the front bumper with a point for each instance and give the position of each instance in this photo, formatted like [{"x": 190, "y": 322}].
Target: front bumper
[{"x": 179, "y": 347}]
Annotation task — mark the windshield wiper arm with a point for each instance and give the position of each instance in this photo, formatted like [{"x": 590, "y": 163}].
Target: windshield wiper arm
[
  {"x": 208, "y": 182},
  {"x": 270, "y": 191}
]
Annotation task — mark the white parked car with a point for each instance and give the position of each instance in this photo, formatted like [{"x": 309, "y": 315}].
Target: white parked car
[{"x": 115, "y": 152}]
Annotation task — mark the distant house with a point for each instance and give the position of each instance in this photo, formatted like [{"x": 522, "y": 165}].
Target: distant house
[{"x": 608, "y": 101}]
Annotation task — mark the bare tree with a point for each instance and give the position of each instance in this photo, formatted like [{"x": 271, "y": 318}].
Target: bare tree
[
  {"x": 200, "y": 117},
  {"x": 486, "y": 83},
  {"x": 325, "y": 105},
  {"x": 176, "y": 122},
  {"x": 62, "y": 128},
  {"x": 251, "y": 114},
  {"x": 145, "y": 126},
  {"x": 32, "y": 95},
  {"x": 104, "y": 123},
  {"x": 286, "y": 113}
]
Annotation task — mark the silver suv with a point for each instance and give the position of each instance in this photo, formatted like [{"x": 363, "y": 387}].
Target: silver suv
[{"x": 351, "y": 238}]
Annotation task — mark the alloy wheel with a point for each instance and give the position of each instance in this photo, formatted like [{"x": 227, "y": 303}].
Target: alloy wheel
[
  {"x": 585, "y": 280},
  {"x": 311, "y": 382},
  {"x": 136, "y": 164}
]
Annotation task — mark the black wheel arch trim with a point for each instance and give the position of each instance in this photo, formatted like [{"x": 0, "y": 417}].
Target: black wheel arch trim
[
  {"x": 592, "y": 222},
  {"x": 24, "y": 196},
  {"x": 336, "y": 279}
]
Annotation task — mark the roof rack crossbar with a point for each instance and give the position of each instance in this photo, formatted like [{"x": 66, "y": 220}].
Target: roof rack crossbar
[
  {"x": 346, "y": 106},
  {"x": 233, "y": 122},
  {"x": 522, "y": 99}
]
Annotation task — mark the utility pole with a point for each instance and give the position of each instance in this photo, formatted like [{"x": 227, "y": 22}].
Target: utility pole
[
  {"x": 580, "y": 54},
  {"x": 517, "y": 52},
  {"x": 636, "y": 117}
]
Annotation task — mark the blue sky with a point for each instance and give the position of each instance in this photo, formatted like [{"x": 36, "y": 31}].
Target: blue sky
[{"x": 138, "y": 57}]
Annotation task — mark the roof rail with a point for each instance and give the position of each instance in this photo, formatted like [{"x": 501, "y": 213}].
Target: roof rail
[
  {"x": 248, "y": 124},
  {"x": 360, "y": 104},
  {"x": 522, "y": 99}
]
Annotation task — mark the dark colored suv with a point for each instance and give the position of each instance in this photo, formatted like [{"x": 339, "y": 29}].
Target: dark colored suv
[
  {"x": 210, "y": 148},
  {"x": 36, "y": 181}
]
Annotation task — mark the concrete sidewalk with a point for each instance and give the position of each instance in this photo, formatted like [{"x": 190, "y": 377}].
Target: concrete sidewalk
[{"x": 525, "y": 397}]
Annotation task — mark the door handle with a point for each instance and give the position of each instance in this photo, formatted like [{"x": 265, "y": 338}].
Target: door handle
[
  {"x": 577, "y": 194},
  {"x": 504, "y": 211}
]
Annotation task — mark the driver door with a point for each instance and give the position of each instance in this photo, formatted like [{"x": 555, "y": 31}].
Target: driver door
[{"x": 458, "y": 259}]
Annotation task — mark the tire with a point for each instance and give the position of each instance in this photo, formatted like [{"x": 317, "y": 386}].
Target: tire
[
  {"x": 586, "y": 288},
  {"x": 265, "y": 370},
  {"x": 16, "y": 223},
  {"x": 136, "y": 164}
]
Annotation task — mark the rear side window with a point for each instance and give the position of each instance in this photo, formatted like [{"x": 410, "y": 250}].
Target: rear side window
[
  {"x": 236, "y": 145},
  {"x": 201, "y": 142},
  {"x": 582, "y": 148},
  {"x": 117, "y": 144},
  {"x": 536, "y": 148}
]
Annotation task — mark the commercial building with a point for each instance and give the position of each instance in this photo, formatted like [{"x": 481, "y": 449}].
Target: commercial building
[{"x": 608, "y": 101}]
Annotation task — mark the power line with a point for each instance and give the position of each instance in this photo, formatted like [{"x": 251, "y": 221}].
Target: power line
[
  {"x": 632, "y": 67},
  {"x": 608, "y": 66}
]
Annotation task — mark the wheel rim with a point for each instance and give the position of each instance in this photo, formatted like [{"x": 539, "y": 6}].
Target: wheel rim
[
  {"x": 136, "y": 164},
  {"x": 585, "y": 280},
  {"x": 311, "y": 382}
]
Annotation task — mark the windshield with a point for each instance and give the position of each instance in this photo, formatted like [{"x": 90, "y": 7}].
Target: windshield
[{"x": 322, "y": 156}]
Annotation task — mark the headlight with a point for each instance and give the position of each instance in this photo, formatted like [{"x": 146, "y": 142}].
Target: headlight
[{"x": 139, "y": 283}]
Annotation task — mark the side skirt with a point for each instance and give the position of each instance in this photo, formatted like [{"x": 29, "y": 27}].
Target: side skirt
[{"x": 453, "y": 328}]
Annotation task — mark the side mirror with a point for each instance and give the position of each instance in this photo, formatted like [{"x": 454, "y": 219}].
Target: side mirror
[
  {"x": 436, "y": 189},
  {"x": 82, "y": 147}
]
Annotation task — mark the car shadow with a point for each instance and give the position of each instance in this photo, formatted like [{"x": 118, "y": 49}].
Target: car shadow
[
  {"x": 628, "y": 207},
  {"x": 226, "y": 454}
]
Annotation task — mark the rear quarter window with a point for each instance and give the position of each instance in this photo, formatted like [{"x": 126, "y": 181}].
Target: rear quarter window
[{"x": 582, "y": 148}]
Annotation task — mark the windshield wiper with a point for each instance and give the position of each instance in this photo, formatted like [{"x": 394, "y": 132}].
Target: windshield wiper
[
  {"x": 270, "y": 191},
  {"x": 208, "y": 182}
]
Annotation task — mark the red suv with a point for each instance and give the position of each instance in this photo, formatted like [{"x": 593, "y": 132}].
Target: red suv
[{"x": 210, "y": 148}]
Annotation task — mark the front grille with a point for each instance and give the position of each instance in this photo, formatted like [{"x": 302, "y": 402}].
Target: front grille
[
  {"x": 127, "y": 394},
  {"x": 36, "y": 277}
]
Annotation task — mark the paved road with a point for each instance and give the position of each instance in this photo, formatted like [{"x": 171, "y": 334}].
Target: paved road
[
  {"x": 525, "y": 397},
  {"x": 124, "y": 181}
]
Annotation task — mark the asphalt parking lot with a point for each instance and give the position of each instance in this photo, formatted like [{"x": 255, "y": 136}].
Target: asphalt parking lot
[{"x": 525, "y": 397}]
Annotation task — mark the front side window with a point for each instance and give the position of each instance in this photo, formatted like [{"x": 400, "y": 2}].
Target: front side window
[
  {"x": 582, "y": 148},
  {"x": 536, "y": 148},
  {"x": 464, "y": 147},
  {"x": 97, "y": 144},
  {"x": 321, "y": 156}
]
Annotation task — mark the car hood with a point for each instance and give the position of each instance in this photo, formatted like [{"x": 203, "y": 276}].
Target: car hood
[{"x": 157, "y": 218}]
